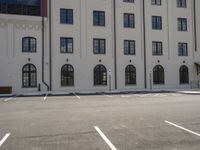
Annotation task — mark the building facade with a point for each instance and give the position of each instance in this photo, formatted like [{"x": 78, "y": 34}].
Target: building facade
[{"x": 95, "y": 45}]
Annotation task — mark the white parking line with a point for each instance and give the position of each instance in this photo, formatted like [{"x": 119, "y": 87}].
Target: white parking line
[
  {"x": 4, "y": 139},
  {"x": 106, "y": 95},
  {"x": 155, "y": 95},
  {"x": 141, "y": 95},
  {"x": 176, "y": 94},
  {"x": 105, "y": 138},
  {"x": 10, "y": 98},
  {"x": 125, "y": 96},
  {"x": 45, "y": 98},
  {"x": 77, "y": 96},
  {"x": 159, "y": 95},
  {"x": 190, "y": 131},
  {"x": 163, "y": 95}
]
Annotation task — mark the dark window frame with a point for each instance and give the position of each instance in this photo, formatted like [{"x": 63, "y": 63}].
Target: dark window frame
[
  {"x": 182, "y": 24},
  {"x": 29, "y": 45},
  {"x": 69, "y": 20},
  {"x": 181, "y": 3},
  {"x": 29, "y": 73},
  {"x": 156, "y": 25},
  {"x": 181, "y": 51},
  {"x": 67, "y": 75},
  {"x": 129, "y": 24},
  {"x": 184, "y": 75},
  {"x": 157, "y": 51},
  {"x": 66, "y": 45},
  {"x": 100, "y": 72},
  {"x": 130, "y": 75},
  {"x": 99, "y": 50},
  {"x": 156, "y": 2},
  {"x": 99, "y": 23},
  {"x": 158, "y": 75},
  {"x": 129, "y": 47},
  {"x": 129, "y": 1}
]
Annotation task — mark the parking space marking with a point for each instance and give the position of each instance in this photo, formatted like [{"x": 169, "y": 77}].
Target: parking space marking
[
  {"x": 77, "y": 96},
  {"x": 176, "y": 94},
  {"x": 141, "y": 95},
  {"x": 175, "y": 125},
  {"x": 159, "y": 95},
  {"x": 105, "y": 138},
  {"x": 10, "y": 98},
  {"x": 4, "y": 139},
  {"x": 125, "y": 96},
  {"x": 155, "y": 95},
  {"x": 107, "y": 95},
  {"x": 45, "y": 97}
]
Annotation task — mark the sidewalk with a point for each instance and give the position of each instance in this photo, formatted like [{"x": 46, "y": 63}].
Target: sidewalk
[{"x": 53, "y": 93}]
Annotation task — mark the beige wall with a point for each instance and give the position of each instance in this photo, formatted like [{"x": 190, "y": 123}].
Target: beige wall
[{"x": 13, "y": 28}]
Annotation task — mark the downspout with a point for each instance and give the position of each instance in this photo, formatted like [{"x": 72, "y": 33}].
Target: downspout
[
  {"x": 144, "y": 38},
  {"x": 195, "y": 26},
  {"x": 115, "y": 44},
  {"x": 50, "y": 47},
  {"x": 43, "y": 47}
]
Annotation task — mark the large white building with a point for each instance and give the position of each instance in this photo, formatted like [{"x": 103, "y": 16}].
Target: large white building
[{"x": 88, "y": 45}]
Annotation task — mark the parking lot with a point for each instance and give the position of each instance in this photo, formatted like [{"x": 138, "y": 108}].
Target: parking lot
[{"x": 140, "y": 121}]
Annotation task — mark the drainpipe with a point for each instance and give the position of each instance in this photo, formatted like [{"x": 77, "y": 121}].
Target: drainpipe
[
  {"x": 195, "y": 26},
  {"x": 43, "y": 47},
  {"x": 144, "y": 38},
  {"x": 115, "y": 44},
  {"x": 50, "y": 47}
]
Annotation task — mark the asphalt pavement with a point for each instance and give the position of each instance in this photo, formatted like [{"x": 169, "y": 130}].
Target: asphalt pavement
[{"x": 151, "y": 121}]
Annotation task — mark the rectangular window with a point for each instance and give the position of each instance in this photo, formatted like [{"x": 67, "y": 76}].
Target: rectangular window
[
  {"x": 155, "y": 2},
  {"x": 181, "y": 3},
  {"x": 99, "y": 46},
  {"x": 66, "y": 16},
  {"x": 129, "y": 20},
  {"x": 157, "y": 48},
  {"x": 156, "y": 22},
  {"x": 29, "y": 44},
  {"x": 128, "y": 1},
  {"x": 129, "y": 47},
  {"x": 98, "y": 18},
  {"x": 182, "y": 24},
  {"x": 66, "y": 45},
  {"x": 182, "y": 49}
]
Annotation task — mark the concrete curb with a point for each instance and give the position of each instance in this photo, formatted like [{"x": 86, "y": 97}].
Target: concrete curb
[{"x": 190, "y": 92}]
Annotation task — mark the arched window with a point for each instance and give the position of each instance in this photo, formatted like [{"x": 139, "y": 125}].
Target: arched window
[
  {"x": 29, "y": 44},
  {"x": 67, "y": 75},
  {"x": 130, "y": 75},
  {"x": 158, "y": 75},
  {"x": 29, "y": 76},
  {"x": 100, "y": 75},
  {"x": 184, "y": 75}
]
